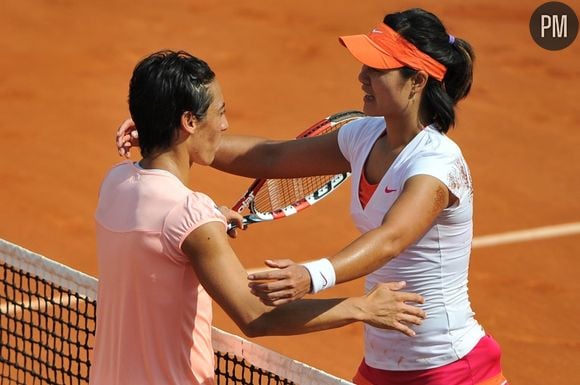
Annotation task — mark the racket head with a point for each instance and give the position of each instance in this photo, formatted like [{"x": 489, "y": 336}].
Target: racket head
[
  {"x": 331, "y": 123},
  {"x": 271, "y": 199},
  {"x": 280, "y": 198}
]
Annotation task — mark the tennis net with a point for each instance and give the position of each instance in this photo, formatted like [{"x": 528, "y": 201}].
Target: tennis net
[{"x": 47, "y": 328}]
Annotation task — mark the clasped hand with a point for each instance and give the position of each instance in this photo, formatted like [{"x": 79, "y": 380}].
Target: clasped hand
[{"x": 289, "y": 281}]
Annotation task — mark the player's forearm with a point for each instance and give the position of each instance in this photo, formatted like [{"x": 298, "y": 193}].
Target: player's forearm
[
  {"x": 244, "y": 155},
  {"x": 365, "y": 254},
  {"x": 306, "y": 316},
  {"x": 263, "y": 158}
]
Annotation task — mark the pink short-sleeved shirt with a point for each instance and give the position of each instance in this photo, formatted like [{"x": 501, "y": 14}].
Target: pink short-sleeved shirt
[{"x": 153, "y": 315}]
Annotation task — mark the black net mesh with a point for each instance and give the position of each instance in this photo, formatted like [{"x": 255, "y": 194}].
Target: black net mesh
[
  {"x": 233, "y": 370},
  {"x": 45, "y": 331},
  {"x": 46, "y": 336}
]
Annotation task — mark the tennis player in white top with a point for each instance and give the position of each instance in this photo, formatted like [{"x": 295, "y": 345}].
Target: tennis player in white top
[{"x": 412, "y": 200}]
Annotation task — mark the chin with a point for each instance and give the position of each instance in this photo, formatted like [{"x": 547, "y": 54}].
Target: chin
[
  {"x": 209, "y": 160},
  {"x": 203, "y": 160},
  {"x": 369, "y": 111}
]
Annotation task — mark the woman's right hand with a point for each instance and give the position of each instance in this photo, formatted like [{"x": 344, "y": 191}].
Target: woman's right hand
[
  {"x": 386, "y": 308},
  {"x": 288, "y": 282},
  {"x": 126, "y": 138}
]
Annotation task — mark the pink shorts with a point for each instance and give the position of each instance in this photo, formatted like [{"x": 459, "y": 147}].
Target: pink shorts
[{"x": 481, "y": 366}]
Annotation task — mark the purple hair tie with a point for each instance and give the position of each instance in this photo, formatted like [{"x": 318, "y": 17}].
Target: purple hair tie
[{"x": 451, "y": 39}]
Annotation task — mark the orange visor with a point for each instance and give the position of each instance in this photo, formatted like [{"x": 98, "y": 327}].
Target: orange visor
[{"x": 384, "y": 48}]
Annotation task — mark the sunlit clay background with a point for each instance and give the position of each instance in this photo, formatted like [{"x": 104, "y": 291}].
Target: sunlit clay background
[{"x": 65, "y": 67}]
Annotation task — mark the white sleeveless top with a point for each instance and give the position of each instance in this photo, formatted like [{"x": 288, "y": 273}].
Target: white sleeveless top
[{"x": 436, "y": 265}]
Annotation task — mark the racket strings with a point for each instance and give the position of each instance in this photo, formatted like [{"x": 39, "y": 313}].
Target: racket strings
[{"x": 279, "y": 193}]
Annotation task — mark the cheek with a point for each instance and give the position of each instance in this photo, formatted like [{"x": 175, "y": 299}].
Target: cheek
[
  {"x": 393, "y": 90},
  {"x": 385, "y": 94},
  {"x": 217, "y": 135}
]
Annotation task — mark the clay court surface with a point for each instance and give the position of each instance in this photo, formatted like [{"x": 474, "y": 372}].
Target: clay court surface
[{"x": 65, "y": 69}]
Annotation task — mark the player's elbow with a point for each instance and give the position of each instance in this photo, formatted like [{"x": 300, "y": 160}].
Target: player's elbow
[
  {"x": 393, "y": 249},
  {"x": 255, "y": 328},
  {"x": 252, "y": 332},
  {"x": 263, "y": 323},
  {"x": 252, "y": 321},
  {"x": 390, "y": 247}
]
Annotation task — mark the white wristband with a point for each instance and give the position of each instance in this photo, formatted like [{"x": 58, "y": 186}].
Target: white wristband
[{"x": 322, "y": 275}]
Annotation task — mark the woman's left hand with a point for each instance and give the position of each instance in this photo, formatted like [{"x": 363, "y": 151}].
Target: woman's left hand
[
  {"x": 126, "y": 138},
  {"x": 389, "y": 308},
  {"x": 233, "y": 218},
  {"x": 291, "y": 281}
]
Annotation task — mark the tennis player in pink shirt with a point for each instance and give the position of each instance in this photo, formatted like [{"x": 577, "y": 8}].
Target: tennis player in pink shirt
[{"x": 163, "y": 250}]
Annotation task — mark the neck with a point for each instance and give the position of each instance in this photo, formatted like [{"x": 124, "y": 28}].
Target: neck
[
  {"x": 174, "y": 161},
  {"x": 401, "y": 130}
]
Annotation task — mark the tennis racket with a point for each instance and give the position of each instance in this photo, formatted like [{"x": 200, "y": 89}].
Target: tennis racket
[{"x": 272, "y": 199}]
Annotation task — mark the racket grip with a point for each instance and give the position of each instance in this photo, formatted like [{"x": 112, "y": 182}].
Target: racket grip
[{"x": 232, "y": 226}]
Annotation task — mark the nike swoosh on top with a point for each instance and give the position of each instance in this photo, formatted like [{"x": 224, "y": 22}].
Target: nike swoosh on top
[{"x": 388, "y": 190}]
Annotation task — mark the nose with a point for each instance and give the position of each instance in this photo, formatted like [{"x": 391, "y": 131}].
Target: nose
[
  {"x": 225, "y": 124},
  {"x": 363, "y": 75}
]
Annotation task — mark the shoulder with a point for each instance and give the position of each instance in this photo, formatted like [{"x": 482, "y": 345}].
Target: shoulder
[
  {"x": 437, "y": 155},
  {"x": 116, "y": 176},
  {"x": 356, "y": 135},
  {"x": 432, "y": 152},
  {"x": 194, "y": 209},
  {"x": 124, "y": 165},
  {"x": 119, "y": 170},
  {"x": 188, "y": 214},
  {"x": 361, "y": 127},
  {"x": 438, "y": 142}
]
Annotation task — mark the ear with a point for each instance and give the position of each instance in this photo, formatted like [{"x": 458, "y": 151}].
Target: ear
[
  {"x": 419, "y": 80},
  {"x": 189, "y": 122}
]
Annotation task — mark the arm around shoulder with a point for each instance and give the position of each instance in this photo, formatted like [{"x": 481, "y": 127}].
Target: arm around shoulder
[{"x": 263, "y": 158}]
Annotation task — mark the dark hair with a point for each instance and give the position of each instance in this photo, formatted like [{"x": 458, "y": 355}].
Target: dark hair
[
  {"x": 164, "y": 85},
  {"x": 424, "y": 30}
]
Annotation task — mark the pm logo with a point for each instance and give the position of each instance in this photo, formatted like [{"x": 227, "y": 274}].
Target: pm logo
[{"x": 554, "y": 26}]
